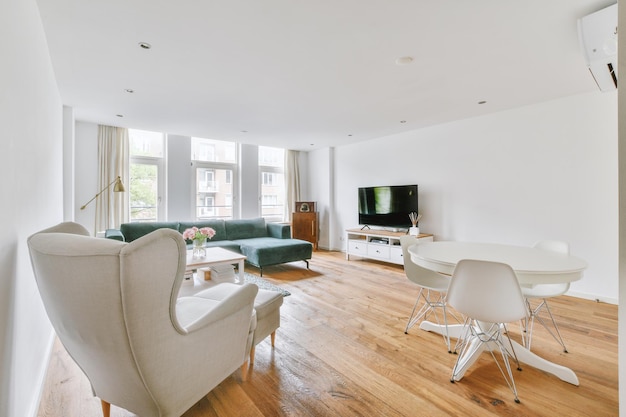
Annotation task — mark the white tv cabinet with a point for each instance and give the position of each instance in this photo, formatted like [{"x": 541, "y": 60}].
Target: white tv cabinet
[{"x": 381, "y": 245}]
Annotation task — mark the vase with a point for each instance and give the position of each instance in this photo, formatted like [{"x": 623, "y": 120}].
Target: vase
[
  {"x": 414, "y": 231},
  {"x": 199, "y": 250}
]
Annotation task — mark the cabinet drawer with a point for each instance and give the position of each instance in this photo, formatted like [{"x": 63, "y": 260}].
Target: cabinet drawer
[
  {"x": 396, "y": 254},
  {"x": 378, "y": 251},
  {"x": 357, "y": 247}
]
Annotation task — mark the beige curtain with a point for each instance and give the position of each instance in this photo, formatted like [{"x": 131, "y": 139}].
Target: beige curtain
[
  {"x": 292, "y": 182},
  {"x": 113, "y": 160}
]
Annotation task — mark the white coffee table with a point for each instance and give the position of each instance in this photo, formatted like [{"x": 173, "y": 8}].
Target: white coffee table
[{"x": 214, "y": 257}]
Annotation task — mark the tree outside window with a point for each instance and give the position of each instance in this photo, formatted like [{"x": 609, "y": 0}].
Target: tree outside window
[{"x": 146, "y": 172}]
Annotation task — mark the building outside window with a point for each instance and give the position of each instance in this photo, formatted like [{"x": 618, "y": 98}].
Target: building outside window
[
  {"x": 214, "y": 165},
  {"x": 147, "y": 177},
  {"x": 271, "y": 165}
]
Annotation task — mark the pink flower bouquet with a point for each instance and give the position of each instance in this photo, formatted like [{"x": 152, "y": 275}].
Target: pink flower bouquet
[{"x": 202, "y": 233}]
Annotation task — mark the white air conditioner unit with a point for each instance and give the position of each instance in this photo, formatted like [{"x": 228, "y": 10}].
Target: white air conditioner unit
[{"x": 598, "y": 37}]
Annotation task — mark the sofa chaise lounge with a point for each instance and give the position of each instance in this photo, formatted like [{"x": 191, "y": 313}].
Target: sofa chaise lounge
[{"x": 262, "y": 243}]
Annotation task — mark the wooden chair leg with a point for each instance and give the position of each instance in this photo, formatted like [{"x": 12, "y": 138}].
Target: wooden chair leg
[
  {"x": 106, "y": 408},
  {"x": 244, "y": 371},
  {"x": 273, "y": 336},
  {"x": 252, "y": 351}
]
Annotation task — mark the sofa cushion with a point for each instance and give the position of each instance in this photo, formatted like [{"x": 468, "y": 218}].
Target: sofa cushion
[
  {"x": 262, "y": 251},
  {"x": 245, "y": 228},
  {"x": 135, "y": 230},
  {"x": 226, "y": 244},
  {"x": 215, "y": 224}
]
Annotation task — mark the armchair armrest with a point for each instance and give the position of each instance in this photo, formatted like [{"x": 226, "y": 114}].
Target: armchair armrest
[
  {"x": 279, "y": 230},
  {"x": 114, "y": 234}
]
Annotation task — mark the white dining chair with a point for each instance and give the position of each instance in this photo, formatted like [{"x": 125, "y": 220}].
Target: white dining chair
[
  {"x": 489, "y": 295},
  {"x": 433, "y": 287},
  {"x": 541, "y": 293}
]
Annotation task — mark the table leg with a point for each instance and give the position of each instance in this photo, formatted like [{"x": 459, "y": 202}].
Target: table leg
[
  {"x": 454, "y": 330},
  {"x": 240, "y": 271},
  {"x": 529, "y": 358}
]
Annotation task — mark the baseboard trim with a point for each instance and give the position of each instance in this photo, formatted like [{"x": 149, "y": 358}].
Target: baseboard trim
[{"x": 593, "y": 297}]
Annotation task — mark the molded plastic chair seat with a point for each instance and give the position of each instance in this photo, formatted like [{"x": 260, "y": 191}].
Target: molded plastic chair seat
[
  {"x": 489, "y": 295},
  {"x": 433, "y": 287}
]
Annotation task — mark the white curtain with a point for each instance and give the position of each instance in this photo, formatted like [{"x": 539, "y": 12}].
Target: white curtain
[
  {"x": 112, "y": 209},
  {"x": 292, "y": 182}
]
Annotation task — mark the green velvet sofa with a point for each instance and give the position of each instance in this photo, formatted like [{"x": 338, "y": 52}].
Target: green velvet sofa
[{"x": 262, "y": 243}]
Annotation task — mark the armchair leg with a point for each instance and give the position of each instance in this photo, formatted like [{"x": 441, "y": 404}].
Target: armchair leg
[
  {"x": 273, "y": 336},
  {"x": 106, "y": 408},
  {"x": 252, "y": 351},
  {"x": 244, "y": 371}
]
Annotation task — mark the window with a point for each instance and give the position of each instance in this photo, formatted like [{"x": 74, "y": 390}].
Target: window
[
  {"x": 210, "y": 150},
  {"x": 146, "y": 188},
  {"x": 269, "y": 178},
  {"x": 271, "y": 164},
  {"x": 214, "y": 164}
]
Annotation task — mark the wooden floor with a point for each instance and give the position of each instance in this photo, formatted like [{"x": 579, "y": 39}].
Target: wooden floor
[{"x": 341, "y": 350}]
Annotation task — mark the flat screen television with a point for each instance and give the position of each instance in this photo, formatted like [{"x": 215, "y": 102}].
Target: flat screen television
[{"x": 387, "y": 206}]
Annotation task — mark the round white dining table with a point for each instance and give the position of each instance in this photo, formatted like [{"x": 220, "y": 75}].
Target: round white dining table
[{"x": 532, "y": 266}]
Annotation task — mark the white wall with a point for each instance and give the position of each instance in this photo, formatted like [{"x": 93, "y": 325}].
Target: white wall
[
  {"x": 179, "y": 187},
  {"x": 86, "y": 173},
  {"x": 31, "y": 168},
  {"x": 250, "y": 182},
  {"x": 69, "y": 148},
  {"x": 547, "y": 171},
  {"x": 319, "y": 187}
]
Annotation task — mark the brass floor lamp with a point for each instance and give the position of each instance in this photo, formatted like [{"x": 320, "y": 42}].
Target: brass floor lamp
[{"x": 118, "y": 188}]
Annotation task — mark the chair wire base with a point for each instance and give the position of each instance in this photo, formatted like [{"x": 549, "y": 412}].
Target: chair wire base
[
  {"x": 430, "y": 306},
  {"x": 528, "y": 324},
  {"x": 488, "y": 334}
]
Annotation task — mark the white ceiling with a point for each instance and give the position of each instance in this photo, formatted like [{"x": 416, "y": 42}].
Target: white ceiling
[{"x": 310, "y": 74}]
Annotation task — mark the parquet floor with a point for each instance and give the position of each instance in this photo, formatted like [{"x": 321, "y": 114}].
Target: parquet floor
[{"x": 341, "y": 351}]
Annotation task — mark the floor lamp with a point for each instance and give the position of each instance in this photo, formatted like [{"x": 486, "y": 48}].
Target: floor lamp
[{"x": 118, "y": 188}]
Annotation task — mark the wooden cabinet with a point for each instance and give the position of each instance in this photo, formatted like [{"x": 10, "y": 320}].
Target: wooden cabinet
[
  {"x": 378, "y": 244},
  {"x": 304, "y": 226}
]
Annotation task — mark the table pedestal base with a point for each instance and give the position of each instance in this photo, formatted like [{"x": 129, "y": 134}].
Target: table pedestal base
[{"x": 523, "y": 354}]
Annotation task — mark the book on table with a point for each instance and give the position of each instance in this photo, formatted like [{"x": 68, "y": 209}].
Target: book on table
[{"x": 222, "y": 273}]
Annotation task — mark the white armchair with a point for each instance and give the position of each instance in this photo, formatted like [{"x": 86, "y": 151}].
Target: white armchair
[{"x": 114, "y": 307}]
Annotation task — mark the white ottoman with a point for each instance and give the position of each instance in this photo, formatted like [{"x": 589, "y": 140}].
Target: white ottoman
[
  {"x": 267, "y": 310},
  {"x": 267, "y": 306}
]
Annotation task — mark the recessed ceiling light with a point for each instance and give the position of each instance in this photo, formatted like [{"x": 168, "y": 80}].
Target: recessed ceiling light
[
  {"x": 482, "y": 102},
  {"x": 130, "y": 90},
  {"x": 350, "y": 134},
  {"x": 145, "y": 45},
  {"x": 402, "y": 121},
  {"x": 119, "y": 115},
  {"x": 244, "y": 131},
  {"x": 404, "y": 60}
]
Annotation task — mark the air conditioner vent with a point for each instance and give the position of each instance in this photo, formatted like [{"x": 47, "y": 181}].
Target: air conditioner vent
[{"x": 598, "y": 37}]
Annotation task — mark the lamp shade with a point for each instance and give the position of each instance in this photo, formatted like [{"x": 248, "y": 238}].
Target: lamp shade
[{"x": 119, "y": 186}]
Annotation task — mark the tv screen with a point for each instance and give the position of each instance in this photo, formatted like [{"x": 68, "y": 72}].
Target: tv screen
[{"x": 387, "y": 206}]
